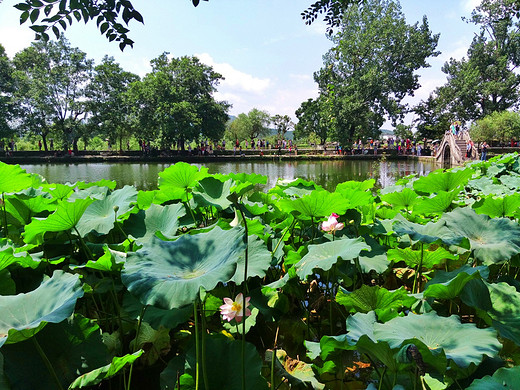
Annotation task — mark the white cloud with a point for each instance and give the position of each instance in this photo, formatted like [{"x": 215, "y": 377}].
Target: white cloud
[
  {"x": 17, "y": 39},
  {"x": 234, "y": 78}
]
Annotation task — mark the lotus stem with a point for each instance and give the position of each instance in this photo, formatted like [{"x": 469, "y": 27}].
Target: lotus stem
[
  {"x": 203, "y": 339},
  {"x": 273, "y": 356},
  {"x": 89, "y": 254},
  {"x": 47, "y": 362},
  {"x": 244, "y": 291},
  {"x": 5, "y": 216},
  {"x": 417, "y": 281},
  {"x": 381, "y": 379},
  {"x": 197, "y": 353},
  {"x": 139, "y": 322}
]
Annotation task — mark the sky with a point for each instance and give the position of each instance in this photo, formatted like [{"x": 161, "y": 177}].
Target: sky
[{"x": 264, "y": 50}]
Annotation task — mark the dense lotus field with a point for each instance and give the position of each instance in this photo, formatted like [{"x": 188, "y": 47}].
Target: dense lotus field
[{"x": 214, "y": 282}]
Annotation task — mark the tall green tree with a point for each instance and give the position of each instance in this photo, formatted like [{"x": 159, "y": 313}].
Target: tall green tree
[
  {"x": 487, "y": 80},
  {"x": 372, "y": 68},
  {"x": 259, "y": 121},
  {"x": 7, "y": 87},
  {"x": 109, "y": 111},
  {"x": 174, "y": 103},
  {"x": 498, "y": 126},
  {"x": 282, "y": 124},
  {"x": 312, "y": 119},
  {"x": 54, "y": 77}
]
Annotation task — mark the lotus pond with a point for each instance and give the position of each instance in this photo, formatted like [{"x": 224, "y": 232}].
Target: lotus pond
[{"x": 209, "y": 283}]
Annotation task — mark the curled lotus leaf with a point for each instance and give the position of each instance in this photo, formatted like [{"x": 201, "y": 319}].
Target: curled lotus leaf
[
  {"x": 179, "y": 179},
  {"x": 492, "y": 240},
  {"x": 52, "y": 301},
  {"x": 503, "y": 378},
  {"x": 436, "y": 204},
  {"x": 324, "y": 256},
  {"x": 507, "y": 206},
  {"x": 412, "y": 257},
  {"x": 463, "y": 343},
  {"x": 448, "y": 285},
  {"x": 429, "y": 233},
  {"x": 213, "y": 192},
  {"x": 169, "y": 274},
  {"x": 156, "y": 219},
  {"x": 317, "y": 204},
  {"x": 404, "y": 199},
  {"x": 442, "y": 181},
  {"x": 13, "y": 178}
]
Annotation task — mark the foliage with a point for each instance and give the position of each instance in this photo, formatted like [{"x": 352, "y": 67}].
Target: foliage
[
  {"x": 118, "y": 287},
  {"x": 6, "y": 91},
  {"x": 249, "y": 126},
  {"x": 282, "y": 124},
  {"x": 372, "y": 68},
  {"x": 499, "y": 126}
]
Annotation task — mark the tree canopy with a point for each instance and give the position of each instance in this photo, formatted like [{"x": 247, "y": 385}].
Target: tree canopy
[{"x": 499, "y": 126}]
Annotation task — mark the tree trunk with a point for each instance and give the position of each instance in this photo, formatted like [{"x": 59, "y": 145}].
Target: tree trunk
[{"x": 44, "y": 139}]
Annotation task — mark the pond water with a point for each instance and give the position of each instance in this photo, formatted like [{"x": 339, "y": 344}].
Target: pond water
[{"x": 326, "y": 173}]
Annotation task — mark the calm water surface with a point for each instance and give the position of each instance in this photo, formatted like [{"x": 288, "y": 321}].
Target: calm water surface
[{"x": 326, "y": 173}]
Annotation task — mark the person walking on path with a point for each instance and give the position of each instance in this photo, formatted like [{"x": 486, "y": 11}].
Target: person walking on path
[{"x": 484, "y": 148}]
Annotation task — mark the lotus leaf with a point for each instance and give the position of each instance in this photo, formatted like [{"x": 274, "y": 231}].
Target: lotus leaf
[
  {"x": 403, "y": 199},
  {"x": 259, "y": 260},
  {"x": 386, "y": 304},
  {"x": 492, "y": 240},
  {"x": 212, "y": 192},
  {"x": 169, "y": 274},
  {"x": 324, "y": 256},
  {"x": 507, "y": 206},
  {"x": 503, "y": 378},
  {"x": 412, "y": 257},
  {"x": 436, "y": 204},
  {"x": 155, "y": 342},
  {"x": 164, "y": 219},
  {"x": 176, "y": 181},
  {"x": 429, "y": 233},
  {"x": 29, "y": 203},
  {"x": 375, "y": 259},
  {"x": 110, "y": 184},
  {"x": 316, "y": 205},
  {"x": 13, "y": 178},
  {"x": 65, "y": 217},
  {"x": 357, "y": 198},
  {"x": 96, "y": 376},
  {"x": 297, "y": 373},
  {"x": 58, "y": 191},
  {"x": 442, "y": 181},
  {"x": 356, "y": 185},
  {"x": 462, "y": 343},
  {"x": 110, "y": 261},
  {"x": 486, "y": 186},
  {"x": 52, "y": 301},
  {"x": 8, "y": 257},
  {"x": 511, "y": 181},
  {"x": 448, "y": 285},
  {"x": 93, "y": 192},
  {"x": 101, "y": 215}
]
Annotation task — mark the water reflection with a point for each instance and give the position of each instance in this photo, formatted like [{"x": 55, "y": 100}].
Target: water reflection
[{"x": 325, "y": 173}]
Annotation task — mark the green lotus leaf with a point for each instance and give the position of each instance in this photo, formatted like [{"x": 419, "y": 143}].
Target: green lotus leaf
[
  {"x": 255, "y": 208},
  {"x": 442, "y": 181},
  {"x": 8, "y": 256},
  {"x": 298, "y": 374},
  {"x": 501, "y": 302},
  {"x": 357, "y": 198},
  {"x": 330, "y": 345},
  {"x": 316, "y": 205},
  {"x": 96, "y": 376},
  {"x": 58, "y": 191},
  {"x": 507, "y": 206},
  {"x": 65, "y": 217},
  {"x": 259, "y": 260},
  {"x": 228, "y": 361},
  {"x": 492, "y": 240},
  {"x": 324, "y": 256},
  {"x": 110, "y": 261},
  {"x": 164, "y": 219},
  {"x": 429, "y": 233},
  {"x": 356, "y": 185},
  {"x": 412, "y": 257},
  {"x": 177, "y": 180},
  {"x": 72, "y": 347},
  {"x": 375, "y": 259},
  {"x": 404, "y": 199},
  {"x": 462, "y": 343},
  {"x": 93, "y": 192},
  {"x": 448, "y": 285},
  {"x": 13, "y": 178},
  {"x": 511, "y": 181},
  {"x": 294, "y": 188},
  {"x": 212, "y": 192},
  {"x": 486, "y": 186},
  {"x": 101, "y": 215},
  {"x": 29, "y": 203},
  {"x": 503, "y": 378},
  {"x": 154, "y": 316},
  {"x": 52, "y": 301},
  {"x": 436, "y": 204},
  {"x": 169, "y": 274},
  {"x": 386, "y": 304}
]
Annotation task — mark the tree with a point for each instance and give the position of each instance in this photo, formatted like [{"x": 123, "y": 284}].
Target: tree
[
  {"x": 238, "y": 128},
  {"x": 110, "y": 115},
  {"x": 6, "y": 94},
  {"x": 498, "y": 126},
  {"x": 372, "y": 68},
  {"x": 432, "y": 120},
  {"x": 174, "y": 103},
  {"x": 487, "y": 80},
  {"x": 258, "y": 123},
  {"x": 283, "y": 124},
  {"x": 53, "y": 77},
  {"x": 402, "y": 131},
  {"x": 311, "y": 120},
  {"x": 56, "y": 15}
]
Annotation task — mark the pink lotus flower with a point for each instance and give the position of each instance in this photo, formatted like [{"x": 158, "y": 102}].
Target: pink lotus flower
[
  {"x": 332, "y": 225},
  {"x": 235, "y": 309}
]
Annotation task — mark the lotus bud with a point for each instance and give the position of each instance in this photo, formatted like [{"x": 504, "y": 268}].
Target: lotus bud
[{"x": 116, "y": 209}]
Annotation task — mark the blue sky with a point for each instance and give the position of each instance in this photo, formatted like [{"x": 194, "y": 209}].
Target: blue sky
[{"x": 263, "y": 48}]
